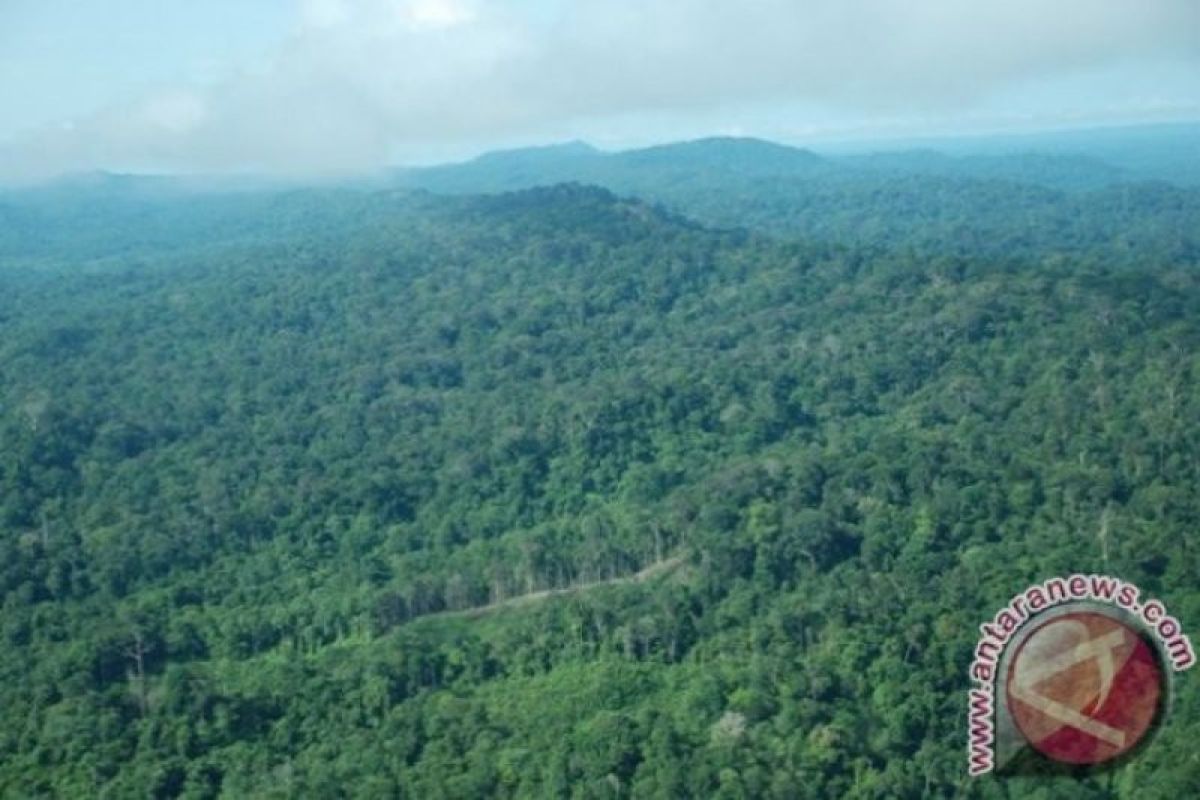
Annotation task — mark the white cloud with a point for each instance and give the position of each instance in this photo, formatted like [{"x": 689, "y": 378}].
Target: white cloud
[
  {"x": 361, "y": 81},
  {"x": 439, "y": 13},
  {"x": 172, "y": 113},
  {"x": 323, "y": 13},
  {"x": 385, "y": 16}
]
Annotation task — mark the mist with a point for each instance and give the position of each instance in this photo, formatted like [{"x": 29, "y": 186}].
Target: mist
[{"x": 360, "y": 84}]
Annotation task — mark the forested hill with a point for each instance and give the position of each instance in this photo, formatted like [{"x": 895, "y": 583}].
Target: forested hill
[
  {"x": 992, "y": 205},
  {"x": 243, "y": 472},
  {"x": 995, "y": 203}
]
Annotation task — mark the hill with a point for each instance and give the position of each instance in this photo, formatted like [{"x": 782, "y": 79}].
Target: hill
[
  {"x": 989, "y": 205},
  {"x": 247, "y": 462}
]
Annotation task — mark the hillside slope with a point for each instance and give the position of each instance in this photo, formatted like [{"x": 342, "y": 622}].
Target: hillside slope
[
  {"x": 999, "y": 205},
  {"x": 239, "y": 480}
]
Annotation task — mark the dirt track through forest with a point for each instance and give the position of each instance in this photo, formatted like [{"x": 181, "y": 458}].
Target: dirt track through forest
[{"x": 657, "y": 568}]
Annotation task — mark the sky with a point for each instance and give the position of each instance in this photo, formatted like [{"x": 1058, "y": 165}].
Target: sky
[{"x": 329, "y": 88}]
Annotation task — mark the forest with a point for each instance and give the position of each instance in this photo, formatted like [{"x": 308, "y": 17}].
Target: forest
[{"x": 688, "y": 472}]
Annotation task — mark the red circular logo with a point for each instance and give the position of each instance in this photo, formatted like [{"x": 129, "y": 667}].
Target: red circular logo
[{"x": 1084, "y": 688}]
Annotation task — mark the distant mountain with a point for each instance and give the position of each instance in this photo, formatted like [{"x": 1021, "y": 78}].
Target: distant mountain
[
  {"x": 541, "y": 155},
  {"x": 998, "y": 202},
  {"x": 631, "y": 170},
  {"x": 1168, "y": 152},
  {"x": 1070, "y": 161},
  {"x": 730, "y": 155},
  {"x": 1057, "y": 171},
  {"x": 506, "y": 170}
]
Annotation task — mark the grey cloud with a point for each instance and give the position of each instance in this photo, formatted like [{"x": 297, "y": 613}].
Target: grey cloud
[{"x": 362, "y": 80}]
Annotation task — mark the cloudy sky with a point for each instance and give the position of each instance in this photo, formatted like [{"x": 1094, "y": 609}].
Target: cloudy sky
[{"x": 332, "y": 87}]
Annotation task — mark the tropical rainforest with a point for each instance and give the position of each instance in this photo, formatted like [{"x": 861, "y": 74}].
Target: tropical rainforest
[{"x": 682, "y": 472}]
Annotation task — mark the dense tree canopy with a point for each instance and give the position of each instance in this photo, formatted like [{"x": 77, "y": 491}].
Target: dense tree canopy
[{"x": 555, "y": 493}]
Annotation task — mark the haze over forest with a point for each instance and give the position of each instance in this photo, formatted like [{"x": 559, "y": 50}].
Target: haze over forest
[{"x": 456, "y": 399}]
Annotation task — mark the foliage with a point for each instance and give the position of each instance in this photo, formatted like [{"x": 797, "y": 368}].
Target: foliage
[{"x": 254, "y": 478}]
